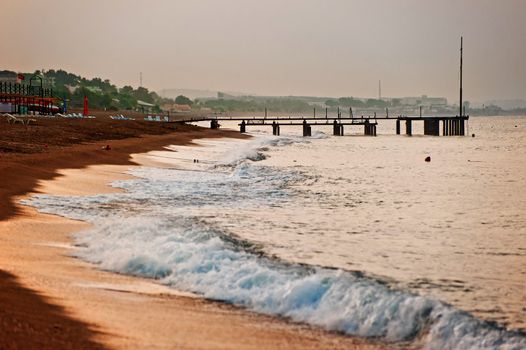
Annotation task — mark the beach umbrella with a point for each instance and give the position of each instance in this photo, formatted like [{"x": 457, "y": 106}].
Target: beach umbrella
[{"x": 85, "y": 106}]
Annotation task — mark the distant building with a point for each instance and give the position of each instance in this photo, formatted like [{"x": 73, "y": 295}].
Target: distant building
[
  {"x": 176, "y": 108},
  {"x": 145, "y": 107},
  {"x": 95, "y": 89},
  {"x": 424, "y": 101},
  {"x": 48, "y": 81},
  {"x": 508, "y": 104},
  {"x": 190, "y": 93}
]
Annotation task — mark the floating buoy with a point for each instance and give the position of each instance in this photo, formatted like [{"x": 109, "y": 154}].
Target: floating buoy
[{"x": 428, "y": 159}]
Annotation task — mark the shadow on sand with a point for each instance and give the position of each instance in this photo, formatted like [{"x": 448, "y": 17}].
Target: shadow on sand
[{"x": 29, "y": 321}]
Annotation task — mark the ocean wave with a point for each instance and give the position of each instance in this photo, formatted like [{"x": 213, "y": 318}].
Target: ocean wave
[
  {"x": 254, "y": 150},
  {"x": 159, "y": 229},
  {"x": 189, "y": 254}
]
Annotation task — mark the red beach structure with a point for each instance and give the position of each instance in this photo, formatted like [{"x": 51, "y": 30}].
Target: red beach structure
[
  {"x": 85, "y": 112},
  {"x": 19, "y": 98}
]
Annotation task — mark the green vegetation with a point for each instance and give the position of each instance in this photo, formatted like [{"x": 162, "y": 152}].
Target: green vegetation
[
  {"x": 183, "y": 100},
  {"x": 101, "y": 93}
]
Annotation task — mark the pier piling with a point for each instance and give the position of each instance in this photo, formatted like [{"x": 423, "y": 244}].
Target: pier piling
[
  {"x": 451, "y": 125},
  {"x": 431, "y": 127},
  {"x": 275, "y": 128},
  {"x": 369, "y": 129},
  {"x": 307, "y": 131},
  {"x": 243, "y": 127},
  {"x": 336, "y": 128}
]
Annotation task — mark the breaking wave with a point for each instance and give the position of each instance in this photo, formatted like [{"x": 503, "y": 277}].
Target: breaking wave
[{"x": 161, "y": 228}]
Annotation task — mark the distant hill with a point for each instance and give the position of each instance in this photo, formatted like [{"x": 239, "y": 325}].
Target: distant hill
[{"x": 190, "y": 93}]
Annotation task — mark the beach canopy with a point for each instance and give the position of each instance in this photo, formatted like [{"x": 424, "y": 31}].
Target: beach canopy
[{"x": 85, "y": 112}]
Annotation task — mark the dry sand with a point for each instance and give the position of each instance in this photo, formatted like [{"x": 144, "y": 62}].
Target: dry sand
[{"x": 50, "y": 300}]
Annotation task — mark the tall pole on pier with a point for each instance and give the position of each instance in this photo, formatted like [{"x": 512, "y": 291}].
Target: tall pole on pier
[{"x": 460, "y": 107}]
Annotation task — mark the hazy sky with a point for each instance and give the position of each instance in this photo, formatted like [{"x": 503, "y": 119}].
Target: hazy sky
[{"x": 276, "y": 47}]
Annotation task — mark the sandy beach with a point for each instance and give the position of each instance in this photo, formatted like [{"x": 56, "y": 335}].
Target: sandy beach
[
  {"x": 52, "y": 300},
  {"x": 263, "y": 175}
]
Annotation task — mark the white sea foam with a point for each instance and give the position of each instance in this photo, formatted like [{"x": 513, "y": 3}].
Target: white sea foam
[
  {"x": 160, "y": 228},
  {"x": 317, "y": 134},
  {"x": 254, "y": 150}
]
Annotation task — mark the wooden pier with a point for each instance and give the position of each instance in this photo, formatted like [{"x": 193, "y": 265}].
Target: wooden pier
[{"x": 450, "y": 126}]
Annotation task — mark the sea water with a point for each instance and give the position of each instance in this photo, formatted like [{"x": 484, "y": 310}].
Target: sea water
[{"x": 354, "y": 234}]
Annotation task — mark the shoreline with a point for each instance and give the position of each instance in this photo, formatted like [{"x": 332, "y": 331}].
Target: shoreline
[
  {"x": 21, "y": 171},
  {"x": 120, "y": 311}
]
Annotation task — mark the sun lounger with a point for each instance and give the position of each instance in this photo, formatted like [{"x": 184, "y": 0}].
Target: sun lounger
[
  {"x": 11, "y": 119},
  {"x": 121, "y": 117}
]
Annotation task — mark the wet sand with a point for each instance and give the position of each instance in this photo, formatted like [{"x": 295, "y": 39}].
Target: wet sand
[{"x": 51, "y": 300}]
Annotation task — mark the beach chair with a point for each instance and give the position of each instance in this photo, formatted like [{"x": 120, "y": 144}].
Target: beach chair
[{"x": 11, "y": 119}]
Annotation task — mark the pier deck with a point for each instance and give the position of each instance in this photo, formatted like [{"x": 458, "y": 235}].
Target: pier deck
[{"x": 451, "y": 125}]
